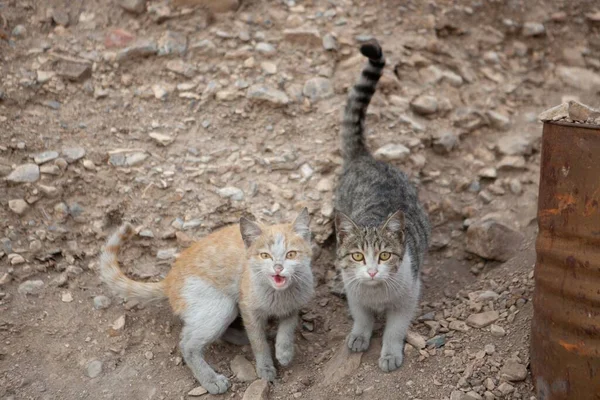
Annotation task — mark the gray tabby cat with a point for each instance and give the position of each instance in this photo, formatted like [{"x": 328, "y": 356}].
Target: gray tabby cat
[{"x": 382, "y": 230}]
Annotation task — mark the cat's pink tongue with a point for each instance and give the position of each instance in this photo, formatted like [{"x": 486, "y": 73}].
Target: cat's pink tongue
[{"x": 279, "y": 280}]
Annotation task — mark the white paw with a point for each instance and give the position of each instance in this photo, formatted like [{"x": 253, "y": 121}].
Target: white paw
[
  {"x": 358, "y": 343},
  {"x": 216, "y": 385},
  {"x": 391, "y": 362},
  {"x": 267, "y": 372},
  {"x": 284, "y": 353}
]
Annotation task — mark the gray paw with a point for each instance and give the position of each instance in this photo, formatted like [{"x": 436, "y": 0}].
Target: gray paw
[
  {"x": 267, "y": 372},
  {"x": 284, "y": 353},
  {"x": 216, "y": 385},
  {"x": 358, "y": 343},
  {"x": 390, "y": 362}
]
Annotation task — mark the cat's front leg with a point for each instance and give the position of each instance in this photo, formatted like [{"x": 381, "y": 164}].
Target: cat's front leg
[
  {"x": 284, "y": 343},
  {"x": 256, "y": 325},
  {"x": 362, "y": 329},
  {"x": 392, "y": 351}
]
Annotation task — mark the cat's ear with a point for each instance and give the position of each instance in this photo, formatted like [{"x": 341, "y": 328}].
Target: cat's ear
[
  {"x": 344, "y": 226},
  {"x": 301, "y": 224},
  {"x": 394, "y": 224},
  {"x": 250, "y": 231}
]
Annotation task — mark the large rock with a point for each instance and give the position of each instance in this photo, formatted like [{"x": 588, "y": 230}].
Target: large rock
[
  {"x": 342, "y": 364},
  {"x": 570, "y": 110},
  {"x": 493, "y": 240}
]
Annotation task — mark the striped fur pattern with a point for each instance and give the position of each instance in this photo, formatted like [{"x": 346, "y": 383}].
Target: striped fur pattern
[
  {"x": 382, "y": 230},
  {"x": 257, "y": 270},
  {"x": 113, "y": 277}
]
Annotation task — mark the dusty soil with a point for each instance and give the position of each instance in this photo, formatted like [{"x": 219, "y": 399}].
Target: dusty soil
[{"x": 191, "y": 127}]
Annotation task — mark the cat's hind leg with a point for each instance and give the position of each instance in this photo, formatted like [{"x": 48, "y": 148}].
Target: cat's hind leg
[{"x": 207, "y": 315}]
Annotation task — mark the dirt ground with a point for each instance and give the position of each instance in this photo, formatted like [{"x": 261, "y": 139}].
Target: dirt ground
[{"x": 181, "y": 122}]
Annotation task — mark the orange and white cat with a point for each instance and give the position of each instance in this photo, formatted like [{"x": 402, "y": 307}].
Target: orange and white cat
[{"x": 264, "y": 271}]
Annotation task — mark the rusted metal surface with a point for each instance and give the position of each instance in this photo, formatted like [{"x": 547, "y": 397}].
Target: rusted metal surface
[{"x": 565, "y": 337}]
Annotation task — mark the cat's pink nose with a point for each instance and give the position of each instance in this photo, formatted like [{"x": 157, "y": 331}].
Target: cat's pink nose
[
  {"x": 372, "y": 273},
  {"x": 278, "y": 269}
]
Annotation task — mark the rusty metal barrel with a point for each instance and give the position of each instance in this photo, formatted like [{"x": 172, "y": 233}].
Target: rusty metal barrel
[{"x": 565, "y": 336}]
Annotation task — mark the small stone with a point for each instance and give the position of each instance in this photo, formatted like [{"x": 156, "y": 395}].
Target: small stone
[
  {"x": 303, "y": 36},
  {"x": 330, "y": 42},
  {"x": 265, "y": 48},
  {"x": 94, "y": 369},
  {"x": 19, "y": 31},
  {"x": 489, "y": 349},
  {"x": 499, "y": 121},
  {"x": 488, "y": 173},
  {"x": 73, "y": 154},
  {"x": 258, "y": 390},
  {"x": 327, "y": 210},
  {"x": 266, "y": 93},
  {"x": 133, "y": 6},
  {"x": 579, "y": 78},
  {"x": 44, "y": 157},
  {"x": 117, "y": 38},
  {"x": 268, "y": 67},
  {"x": 149, "y": 355},
  {"x": 318, "y": 88},
  {"x": 100, "y": 93},
  {"x": 324, "y": 185},
  {"x": 516, "y": 145},
  {"x": 198, "y": 391},
  {"x": 243, "y": 369},
  {"x": 460, "y": 326},
  {"x": 483, "y": 319},
  {"x": 415, "y": 340},
  {"x": 16, "y": 259},
  {"x": 392, "y": 152},
  {"x": 231, "y": 192},
  {"x": 18, "y": 206},
  {"x": 119, "y": 323},
  {"x": 24, "y": 173},
  {"x": 497, "y": 331},
  {"x": 89, "y": 165},
  {"x": 511, "y": 163},
  {"x": 139, "y": 49},
  {"x": 44, "y": 76},
  {"x": 513, "y": 371},
  {"x": 572, "y": 110},
  {"x": 162, "y": 139},
  {"x": 166, "y": 254},
  {"x": 31, "y": 287},
  {"x": 437, "y": 341},
  {"x": 424, "y": 105},
  {"x": 533, "y": 29},
  {"x": 493, "y": 240},
  {"x": 447, "y": 142},
  {"x": 506, "y": 388},
  {"x": 66, "y": 297},
  {"x": 172, "y": 43},
  {"x": 74, "y": 71},
  {"x": 160, "y": 93},
  {"x": 101, "y": 302}
]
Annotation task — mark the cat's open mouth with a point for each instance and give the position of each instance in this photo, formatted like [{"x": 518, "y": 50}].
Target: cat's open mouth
[{"x": 279, "y": 280}]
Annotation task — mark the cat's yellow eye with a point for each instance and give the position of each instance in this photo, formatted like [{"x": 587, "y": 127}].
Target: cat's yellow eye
[
  {"x": 358, "y": 257},
  {"x": 384, "y": 255},
  {"x": 265, "y": 256},
  {"x": 291, "y": 255}
]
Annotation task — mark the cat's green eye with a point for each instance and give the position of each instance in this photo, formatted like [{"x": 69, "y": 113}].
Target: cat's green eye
[
  {"x": 384, "y": 255},
  {"x": 265, "y": 256},
  {"x": 291, "y": 255},
  {"x": 358, "y": 257}
]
